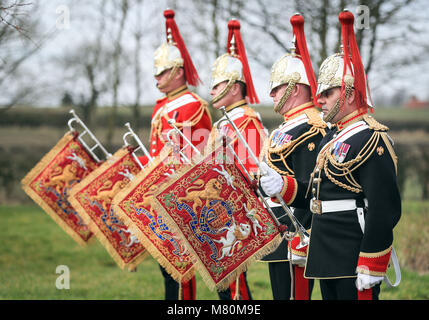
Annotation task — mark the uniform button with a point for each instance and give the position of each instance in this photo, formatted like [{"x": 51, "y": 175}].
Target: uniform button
[{"x": 154, "y": 142}]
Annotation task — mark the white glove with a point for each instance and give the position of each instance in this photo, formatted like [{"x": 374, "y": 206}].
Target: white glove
[
  {"x": 271, "y": 182},
  {"x": 298, "y": 260},
  {"x": 366, "y": 281}
]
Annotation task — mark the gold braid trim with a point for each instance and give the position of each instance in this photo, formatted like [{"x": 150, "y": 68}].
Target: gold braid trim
[
  {"x": 284, "y": 188},
  {"x": 315, "y": 120},
  {"x": 391, "y": 151},
  {"x": 346, "y": 169},
  {"x": 192, "y": 121},
  {"x": 284, "y": 151},
  {"x": 374, "y": 124},
  {"x": 375, "y": 254},
  {"x": 377, "y": 126}
]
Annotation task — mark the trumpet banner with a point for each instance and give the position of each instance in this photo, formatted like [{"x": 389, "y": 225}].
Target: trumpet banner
[
  {"x": 223, "y": 223},
  {"x": 92, "y": 198},
  {"x": 50, "y": 181},
  {"x": 134, "y": 206}
]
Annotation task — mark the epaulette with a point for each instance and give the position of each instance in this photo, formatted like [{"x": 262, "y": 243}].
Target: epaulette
[
  {"x": 201, "y": 100},
  {"x": 250, "y": 112},
  {"x": 374, "y": 124},
  {"x": 160, "y": 99},
  {"x": 314, "y": 118}
]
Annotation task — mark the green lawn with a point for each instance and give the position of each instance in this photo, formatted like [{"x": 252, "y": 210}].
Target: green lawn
[{"x": 32, "y": 246}]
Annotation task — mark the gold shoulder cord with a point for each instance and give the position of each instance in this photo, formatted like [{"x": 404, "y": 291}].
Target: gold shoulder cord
[
  {"x": 250, "y": 117},
  {"x": 193, "y": 120},
  {"x": 196, "y": 117},
  {"x": 284, "y": 151},
  {"x": 346, "y": 169},
  {"x": 317, "y": 126}
]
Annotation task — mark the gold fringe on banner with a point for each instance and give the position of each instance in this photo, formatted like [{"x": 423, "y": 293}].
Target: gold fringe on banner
[
  {"x": 135, "y": 226},
  {"x": 201, "y": 267},
  {"x": 42, "y": 165},
  {"x": 92, "y": 224}
]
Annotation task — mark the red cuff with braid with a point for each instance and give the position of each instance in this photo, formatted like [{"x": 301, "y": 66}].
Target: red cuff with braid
[
  {"x": 302, "y": 252},
  {"x": 290, "y": 187},
  {"x": 374, "y": 264},
  {"x": 288, "y": 192}
]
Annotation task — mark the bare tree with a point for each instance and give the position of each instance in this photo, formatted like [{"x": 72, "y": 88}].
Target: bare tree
[
  {"x": 86, "y": 64},
  {"x": 123, "y": 9},
  {"x": 20, "y": 39},
  {"x": 138, "y": 35}
]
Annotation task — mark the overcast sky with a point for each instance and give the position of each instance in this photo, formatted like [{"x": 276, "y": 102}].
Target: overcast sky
[{"x": 414, "y": 77}]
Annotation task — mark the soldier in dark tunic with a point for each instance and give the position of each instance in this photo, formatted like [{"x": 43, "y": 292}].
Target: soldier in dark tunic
[
  {"x": 352, "y": 191},
  {"x": 291, "y": 151}
]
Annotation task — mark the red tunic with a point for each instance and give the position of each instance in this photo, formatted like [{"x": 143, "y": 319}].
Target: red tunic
[
  {"x": 191, "y": 117},
  {"x": 251, "y": 128}
]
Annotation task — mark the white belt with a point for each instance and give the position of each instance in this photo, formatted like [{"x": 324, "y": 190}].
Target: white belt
[
  {"x": 340, "y": 205},
  {"x": 320, "y": 207}
]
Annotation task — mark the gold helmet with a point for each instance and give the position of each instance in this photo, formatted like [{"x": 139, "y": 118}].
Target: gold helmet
[
  {"x": 173, "y": 54},
  {"x": 294, "y": 67},
  {"x": 345, "y": 70},
  {"x": 331, "y": 75},
  {"x": 233, "y": 66},
  {"x": 167, "y": 56},
  {"x": 227, "y": 67}
]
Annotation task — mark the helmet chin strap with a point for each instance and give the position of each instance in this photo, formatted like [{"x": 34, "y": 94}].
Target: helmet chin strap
[
  {"x": 295, "y": 77},
  {"x": 340, "y": 102},
  {"x": 224, "y": 91},
  {"x": 333, "y": 112},
  {"x": 278, "y": 107}
]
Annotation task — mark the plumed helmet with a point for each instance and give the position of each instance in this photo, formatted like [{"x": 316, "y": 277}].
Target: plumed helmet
[
  {"x": 173, "y": 53},
  {"x": 166, "y": 56},
  {"x": 294, "y": 67},
  {"x": 331, "y": 75},
  {"x": 233, "y": 66},
  {"x": 345, "y": 69},
  {"x": 288, "y": 68},
  {"x": 227, "y": 68}
]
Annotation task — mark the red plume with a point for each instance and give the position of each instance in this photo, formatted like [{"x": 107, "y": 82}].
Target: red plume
[
  {"x": 351, "y": 48},
  {"x": 297, "y": 22},
  {"x": 191, "y": 74},
  {"x": 234, "y": 29}
]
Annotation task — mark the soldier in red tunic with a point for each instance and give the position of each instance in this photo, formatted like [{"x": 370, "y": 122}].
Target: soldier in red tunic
[
  {"x": 232, "y": 87},
  {"x": 352, "y": 191},
  {"x": 173, "y": 71}
]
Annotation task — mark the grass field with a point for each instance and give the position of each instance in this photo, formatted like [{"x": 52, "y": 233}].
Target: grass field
[{"x": 32, "y": 246}]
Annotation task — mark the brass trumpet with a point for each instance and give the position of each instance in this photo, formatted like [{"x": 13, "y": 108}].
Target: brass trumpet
[
  {"x": 140, "y": 146},
  {"x": 187, "y": 143},
  {"x": 86, "y": 131}
]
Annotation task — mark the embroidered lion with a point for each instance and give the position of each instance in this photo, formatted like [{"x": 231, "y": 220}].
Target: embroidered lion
[
  {"x": 206, "y": 191},
  {"x": 147, "y": 198},
  {"x": 60, "y": 178},
  {"x": 108, "y": 190}
]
